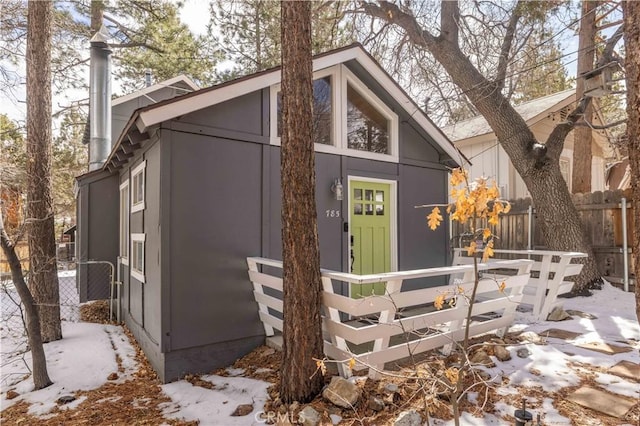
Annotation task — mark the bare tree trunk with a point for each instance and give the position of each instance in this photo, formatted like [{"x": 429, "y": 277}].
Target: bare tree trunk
[
  {"x": 302, "y": 330},
  {"x": 39, "y": 363},
  {"x": 536, "y": 163},
  {"x": 632, "y": 70},
  {"x": 583, "y": 135},
  {"x": 43, "y": 274}
]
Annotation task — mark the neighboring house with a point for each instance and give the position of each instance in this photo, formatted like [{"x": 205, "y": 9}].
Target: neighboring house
[
  {"x": 476, "y": 140},
  {"x": 195, "y": 182}
]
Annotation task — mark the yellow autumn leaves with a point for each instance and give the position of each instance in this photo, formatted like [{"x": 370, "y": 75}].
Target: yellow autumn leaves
[{"x": 473, "y": 202}]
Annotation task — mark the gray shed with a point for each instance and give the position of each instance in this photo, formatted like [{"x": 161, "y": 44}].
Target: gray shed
[{"x": 192, "y": 188}]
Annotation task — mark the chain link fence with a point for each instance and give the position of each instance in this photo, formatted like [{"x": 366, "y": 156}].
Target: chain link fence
[{"x": 100, "y": 278}]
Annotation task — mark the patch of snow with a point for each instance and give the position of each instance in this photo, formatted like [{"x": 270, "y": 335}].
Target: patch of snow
[
  {"x": 82, "y": 360},
  {"x": 619, "y": 385},
  {"x": 197, "y": 403},
  {"x": 234, "y": 372}
]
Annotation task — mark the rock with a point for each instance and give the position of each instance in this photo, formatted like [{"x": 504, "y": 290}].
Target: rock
[
  {"x": 530, "y": 336},
  {"x": 558, "y": 314},
  {"x": 502, "y": 353},
  {"x": 308, "y": 416},
  {"x": 498, "y": 341},
  {"x": 65, "y": 399},
  {"x": 335, "y": 419},
  {"x": 242, "y": 410},
  {"x": 408, "y": 418},
  {"x": 112, "y": 376},
  {"x": 376, "y": 404},
  {"x": 390, "y": 388},
  {"x": 523, "y": 353},
  {"x": 482, "y": 374},
  {"x": 482, "y": 358},
  {"x": 580, "y": 314},
  {"x": 341, "y": 392},
  {"x": 12, "y": 394}
]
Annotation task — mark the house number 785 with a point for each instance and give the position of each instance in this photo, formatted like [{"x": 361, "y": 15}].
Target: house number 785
[{"x": 333, "y": 213}]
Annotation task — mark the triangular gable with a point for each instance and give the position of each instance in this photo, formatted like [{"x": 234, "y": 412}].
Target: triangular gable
[
  {"x": 147, "y": 117},
  {"x": 532, "y": 112}
]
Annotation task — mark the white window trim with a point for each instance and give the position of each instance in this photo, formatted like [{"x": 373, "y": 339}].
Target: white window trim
[
  {"x": 369, "y": 96},
  {"x": 124, "y": 258},
  {"x": 139, "y": 169},
  {"x": 135, "y": 273},
  {"x": 340, "y": 76}
]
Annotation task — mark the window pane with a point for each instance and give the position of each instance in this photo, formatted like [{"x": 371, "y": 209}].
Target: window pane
[
  {"x": 379, "y": 209},
  {"x": 322, "y": 112},
  {"x": 380, "y": 196},
  {"x": 367, "y": 129},
  {"x": 357, "y": 209},
  {"x": 368, "y": 209},
  {"x": 368, "y": 194},
  {"x": 322, "y": 123},
  {"x": 358, "y": 194}
]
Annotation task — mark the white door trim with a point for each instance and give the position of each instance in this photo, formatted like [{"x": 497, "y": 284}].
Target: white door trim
[{"x": 393, "y": 218}]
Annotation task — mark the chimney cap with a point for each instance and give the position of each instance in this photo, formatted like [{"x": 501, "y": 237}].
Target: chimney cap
[{"x": 102, "y": 36}]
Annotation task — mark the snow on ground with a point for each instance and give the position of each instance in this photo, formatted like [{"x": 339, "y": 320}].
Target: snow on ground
[
  {"x": 80, "y": 361},
  {"x": 87, "y": 354},
  {"x": 198, "y": 403}
]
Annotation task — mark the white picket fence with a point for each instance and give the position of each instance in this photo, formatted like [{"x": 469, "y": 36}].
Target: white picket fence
[
  {"x": 550, "y": 270},
  {"x": 375, "y": 330}
]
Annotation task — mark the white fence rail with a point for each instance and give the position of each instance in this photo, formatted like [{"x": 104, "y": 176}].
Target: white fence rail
[
  {"x": 375, "y": 330},
  {"x": 550, "y": 270}
]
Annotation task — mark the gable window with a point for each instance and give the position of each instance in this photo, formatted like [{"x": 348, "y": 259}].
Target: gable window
[
  {"x": 348, "y": 118},
  {"x": 124, "y": 222},
  {"x": 137, "y": 187},
  {"x": 137, "y": 256},
  {"x": 322, "y": 124},
  {"x": 367, "y": 128}
]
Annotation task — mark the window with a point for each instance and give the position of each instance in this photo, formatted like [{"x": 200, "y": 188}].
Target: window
[
  {"x": 124, "y": 222},
  {"x": 137, "y": 256},
  {"x": 137, "y": 187},
  {"x": 367, "y": 128},
  {"x": 348, "y": 118},
  {"x": 322, "y": 111}
]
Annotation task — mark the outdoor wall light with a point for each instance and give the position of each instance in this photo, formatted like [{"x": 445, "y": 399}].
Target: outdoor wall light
[{"x": 336, "y": 188}]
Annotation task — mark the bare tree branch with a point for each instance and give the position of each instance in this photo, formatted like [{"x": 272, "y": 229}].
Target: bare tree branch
[{"x": 507, "y": 43}]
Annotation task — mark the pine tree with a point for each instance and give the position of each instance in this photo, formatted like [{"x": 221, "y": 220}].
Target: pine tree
[{"x": 302, "y": 287}]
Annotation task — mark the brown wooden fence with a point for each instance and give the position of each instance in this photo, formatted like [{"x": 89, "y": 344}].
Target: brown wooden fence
[{"x": 601, "y": 214}]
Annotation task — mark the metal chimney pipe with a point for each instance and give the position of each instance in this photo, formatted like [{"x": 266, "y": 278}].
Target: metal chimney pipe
[
  {"x": 99, "y": 100},
  {"x": 147, "y": 77}
]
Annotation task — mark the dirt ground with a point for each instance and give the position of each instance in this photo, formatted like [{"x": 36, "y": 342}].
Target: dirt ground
[{"x": 113, "y": 403}]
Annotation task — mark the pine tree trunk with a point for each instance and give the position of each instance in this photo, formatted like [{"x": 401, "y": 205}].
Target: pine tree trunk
[
  {"x": 632, "y": 70},
  {"x": 39, "y": 363},
  {"x": 582, "y": 135},
  {"x": 302, "y": 330},
  {"x": 43, "y": 276}
]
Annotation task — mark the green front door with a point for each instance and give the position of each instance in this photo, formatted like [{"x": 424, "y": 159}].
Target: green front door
[{"x": 370, "y": 208}]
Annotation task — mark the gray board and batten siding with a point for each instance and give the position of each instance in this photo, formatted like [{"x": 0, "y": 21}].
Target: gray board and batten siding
[{"x": 213, "y": 199}]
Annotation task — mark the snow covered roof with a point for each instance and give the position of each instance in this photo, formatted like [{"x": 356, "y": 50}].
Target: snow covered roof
[{"x": 531, "y": 112}]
